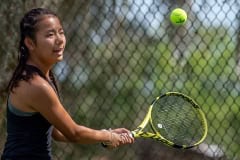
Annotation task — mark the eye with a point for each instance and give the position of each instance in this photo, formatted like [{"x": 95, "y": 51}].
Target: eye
[
  {"x": 61, "y": 31},
  {"x": 50, "y": 34}
]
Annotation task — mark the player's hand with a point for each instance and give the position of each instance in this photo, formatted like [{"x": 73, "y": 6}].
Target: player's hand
[
  {"x": 125, "y": 134},
  {"x": 120, "y": 136}
]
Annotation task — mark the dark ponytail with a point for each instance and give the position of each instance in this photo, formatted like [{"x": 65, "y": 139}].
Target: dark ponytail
[{"x": 27, "y": 29}]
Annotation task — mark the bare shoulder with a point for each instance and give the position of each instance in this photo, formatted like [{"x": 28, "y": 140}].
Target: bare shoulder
[
  {"x": 41, "y": 90},
  {"x": 33, "y": 93},
  {"x": 36, "y": 86}
]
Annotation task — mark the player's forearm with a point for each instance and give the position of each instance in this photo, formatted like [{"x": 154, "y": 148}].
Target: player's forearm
[
  {"x": 58, "y": 136},
  {"x": 83, "y": 135}
]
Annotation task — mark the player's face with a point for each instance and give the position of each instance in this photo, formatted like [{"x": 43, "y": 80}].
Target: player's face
[{"x": 50, "y": 40}]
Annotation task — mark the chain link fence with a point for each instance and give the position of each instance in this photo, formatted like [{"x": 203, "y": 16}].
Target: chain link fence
[{"x": 121, "y": 54}]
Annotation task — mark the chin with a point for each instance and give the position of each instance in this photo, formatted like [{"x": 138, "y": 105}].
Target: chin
[{"x": 60, "y": 58}]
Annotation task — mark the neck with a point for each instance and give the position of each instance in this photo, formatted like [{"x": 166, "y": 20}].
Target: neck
[{"x": 43, "y": 68}]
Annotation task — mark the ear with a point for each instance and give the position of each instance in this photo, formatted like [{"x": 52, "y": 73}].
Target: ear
[{"x": 29, "y": 43}]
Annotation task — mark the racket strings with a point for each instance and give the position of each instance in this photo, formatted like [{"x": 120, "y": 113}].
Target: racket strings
[{"x": 177, "y": 120}]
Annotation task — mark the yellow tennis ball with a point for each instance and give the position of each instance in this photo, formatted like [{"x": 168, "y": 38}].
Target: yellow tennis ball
[{"x": 178, "y": 16}]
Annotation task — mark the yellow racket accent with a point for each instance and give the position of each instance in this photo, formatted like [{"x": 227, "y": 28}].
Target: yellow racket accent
[{"x": 174, "y": 103}]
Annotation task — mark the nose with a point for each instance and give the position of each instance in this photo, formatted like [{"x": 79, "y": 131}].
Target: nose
[{"x": 60, "y": 38}]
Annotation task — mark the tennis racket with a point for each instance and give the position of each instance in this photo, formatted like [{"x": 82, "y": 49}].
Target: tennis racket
[{"x": 174, "y": 119}]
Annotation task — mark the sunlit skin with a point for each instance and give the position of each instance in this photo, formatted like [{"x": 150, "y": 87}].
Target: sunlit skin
[
  {"x": 49, "y": 43},
  {"x": 38, "y": 96}
]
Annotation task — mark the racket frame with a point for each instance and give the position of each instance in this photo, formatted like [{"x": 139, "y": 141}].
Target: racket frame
[{"x": 138, "y": 132}]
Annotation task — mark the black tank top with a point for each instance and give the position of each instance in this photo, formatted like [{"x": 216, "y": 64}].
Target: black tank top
[{"x": 28, "y": 136}]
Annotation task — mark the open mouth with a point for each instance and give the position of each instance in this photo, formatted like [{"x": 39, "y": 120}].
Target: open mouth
[{"x": 58, "y": 51}]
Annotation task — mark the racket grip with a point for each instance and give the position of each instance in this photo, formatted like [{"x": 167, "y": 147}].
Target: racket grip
[{"x": 132, "y": 134}]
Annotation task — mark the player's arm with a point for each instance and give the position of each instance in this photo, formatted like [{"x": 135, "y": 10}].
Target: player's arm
[
  {"x": 43, "y": 99},
  {"x": 58, "y": 136}
]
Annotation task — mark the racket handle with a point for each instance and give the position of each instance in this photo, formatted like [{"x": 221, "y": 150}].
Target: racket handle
[{"x": 133, "y": 134}]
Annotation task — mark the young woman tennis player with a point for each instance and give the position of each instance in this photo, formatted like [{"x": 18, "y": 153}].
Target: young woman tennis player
[{"x": 35, "y": 114}]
